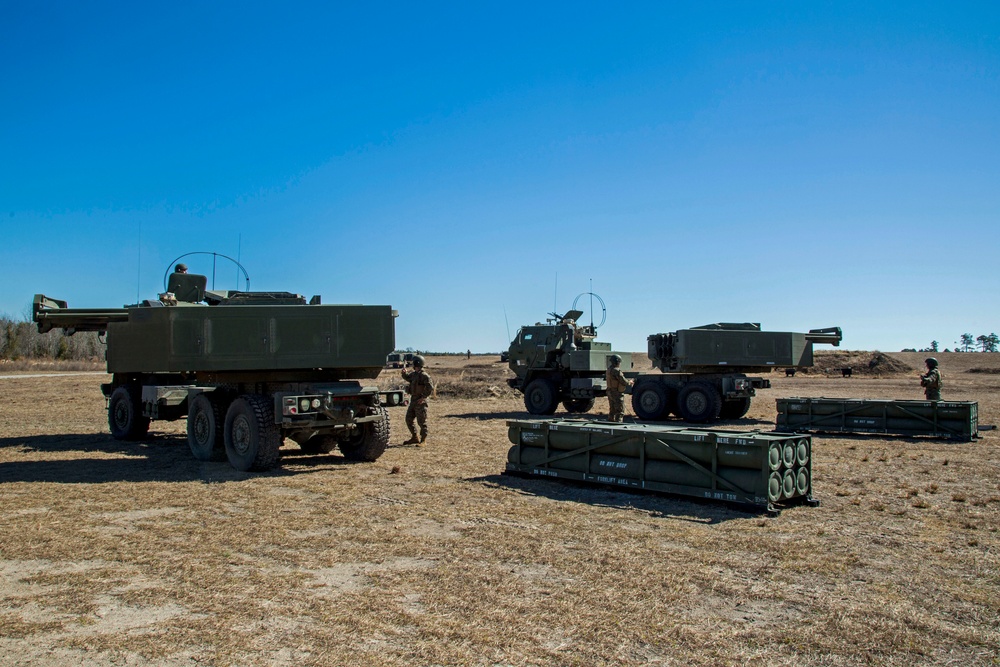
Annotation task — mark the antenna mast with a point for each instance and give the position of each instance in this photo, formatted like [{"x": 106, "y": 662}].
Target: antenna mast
[
  {"x": 591, "y": 302},
  {"x": 138, "y": 261}
]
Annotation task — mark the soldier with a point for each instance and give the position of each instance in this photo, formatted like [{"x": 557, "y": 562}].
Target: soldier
[
  {"x": 181, "y": 268},
  {"x": 931, "y": 380},
  {"x": 618, "y": 384},
  {"x": 421, "y": 387}
]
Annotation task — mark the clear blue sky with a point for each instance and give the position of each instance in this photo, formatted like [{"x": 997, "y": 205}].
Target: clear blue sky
[{"x": 795, "y": 164}]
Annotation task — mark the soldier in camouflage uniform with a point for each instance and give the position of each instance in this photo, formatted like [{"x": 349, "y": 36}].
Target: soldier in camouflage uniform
[
  {"x": 618, "y": 384},
  {"x": 931, "y": 380},
  {"x": 421, "y": 387}
]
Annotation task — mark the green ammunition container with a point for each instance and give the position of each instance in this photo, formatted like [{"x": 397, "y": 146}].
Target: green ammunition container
[
  {"x": 956, "y": 420},
  {"x": 746, "y": 467}
]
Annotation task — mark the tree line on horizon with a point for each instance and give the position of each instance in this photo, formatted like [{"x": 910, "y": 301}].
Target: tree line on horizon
[
  {"x": 965, "y": 343},
  {"x": 20, "y": 340}
]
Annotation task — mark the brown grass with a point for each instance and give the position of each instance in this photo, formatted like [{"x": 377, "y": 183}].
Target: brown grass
[{"x": 136, "y": 554}]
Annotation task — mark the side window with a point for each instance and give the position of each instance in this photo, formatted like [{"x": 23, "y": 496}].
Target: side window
[{"x": 527, "y": 337}]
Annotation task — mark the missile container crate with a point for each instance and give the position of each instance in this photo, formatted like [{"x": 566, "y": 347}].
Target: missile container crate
[
  {"x": 957, "y": 420},
  {"x": 743, "y": 467},
  {"x": 246, "y": 370}
]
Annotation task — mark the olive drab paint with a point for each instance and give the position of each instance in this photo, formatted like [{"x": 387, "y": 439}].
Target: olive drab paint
[
  {"x": 560, "y": 362},
  {"x": 246, "y": 369},
  {"x": 957, "y": 420},
  {"x": 704, "y": 369},
  {"x": 762, "y": 469}
]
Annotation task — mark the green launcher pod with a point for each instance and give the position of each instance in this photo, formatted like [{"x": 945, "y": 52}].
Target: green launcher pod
[
  {"x": 957, "y": 420},
  {"x": 746, "y": 467}
]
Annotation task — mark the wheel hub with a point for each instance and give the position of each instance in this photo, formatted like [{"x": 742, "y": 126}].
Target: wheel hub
[
  {"x": 241, "y": 435},
  {"x": 201, "y": 431}
]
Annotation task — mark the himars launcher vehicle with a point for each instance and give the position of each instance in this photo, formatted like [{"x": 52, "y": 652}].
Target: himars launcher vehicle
[
  {"x": 704, "y": 369},
  {"x": 246, "y": 369}
]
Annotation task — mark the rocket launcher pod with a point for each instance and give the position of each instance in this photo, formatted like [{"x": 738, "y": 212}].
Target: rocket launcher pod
[
  {"x": 746, "y": 467},
  {"x": 957, "y": 420}
]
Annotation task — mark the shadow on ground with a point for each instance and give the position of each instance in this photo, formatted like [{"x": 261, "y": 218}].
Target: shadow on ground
[
  {"x": 659, "y": 505},
  {"x": 98, "y": 458}
]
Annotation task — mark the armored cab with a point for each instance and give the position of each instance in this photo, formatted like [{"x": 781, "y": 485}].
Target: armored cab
[
  {"x": 705, "y": 368},
  {"x": 560, "y": 361},
  {"x": 246, "y": 369}
]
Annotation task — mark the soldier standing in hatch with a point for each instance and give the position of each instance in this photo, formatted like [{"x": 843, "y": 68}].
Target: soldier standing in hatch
[
  {"x": 421, "y": 387},
  {"x": 931, "y": 380},
  {"x": 181, "y": 268},
  {"x": 618, "y": 384}
]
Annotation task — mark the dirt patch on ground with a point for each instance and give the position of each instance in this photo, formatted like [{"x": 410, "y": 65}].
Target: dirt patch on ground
[{"x": 134, "y": 553}]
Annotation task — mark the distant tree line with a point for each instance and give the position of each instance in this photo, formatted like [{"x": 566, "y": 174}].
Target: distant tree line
[
  {"x": 20, "y": 340},
  {"x": 966, "y": 343}
]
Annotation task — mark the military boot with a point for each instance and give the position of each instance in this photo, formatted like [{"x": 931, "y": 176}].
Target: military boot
[
  {"x": 423, "y": 438},
  {"x": 413, "y": 440}
]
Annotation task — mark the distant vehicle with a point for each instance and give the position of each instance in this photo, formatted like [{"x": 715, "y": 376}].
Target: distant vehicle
[
  {"x": 394, "y": 360},
  {"x": 246, "y": 369}
]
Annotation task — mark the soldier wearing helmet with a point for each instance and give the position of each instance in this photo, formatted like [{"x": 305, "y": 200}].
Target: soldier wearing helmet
[
  {"x": 931, "y": 380},
  {"x": 181, "y": 268},
  {"x": 421, "y": 388},
  {"x": 618, "y": 384}
]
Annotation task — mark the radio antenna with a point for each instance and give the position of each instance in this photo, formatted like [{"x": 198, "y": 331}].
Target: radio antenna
[
  {"x": 591, "y": 302},
  {"x": 138, "y": 264},
  {"x": 555, "y": 296}
]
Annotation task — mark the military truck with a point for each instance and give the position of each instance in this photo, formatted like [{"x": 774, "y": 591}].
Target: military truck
[
  {"x": 245, "y": 369},
  {"x": 704, "y": 369},
  {"x": 560, "y": 361},
  {"x": 394, "y": 360}
]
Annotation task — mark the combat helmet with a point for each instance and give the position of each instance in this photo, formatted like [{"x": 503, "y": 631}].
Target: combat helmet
[
  {"x": 931, "y": 362},
  {"x": 417, "y": 360},
  {"x": 614, "y": 360}
]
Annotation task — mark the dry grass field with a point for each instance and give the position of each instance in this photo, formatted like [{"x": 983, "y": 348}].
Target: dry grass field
[{"x": 136, "y": 554}]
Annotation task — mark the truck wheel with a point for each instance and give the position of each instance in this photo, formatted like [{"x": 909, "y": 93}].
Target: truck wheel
[
  {"x": 699, "y": 402},
  {"x": 125, "y": 414},
  {"x": 206, "y": 428},
  {"x": 735, "y": 409},
  {"x": 540, "y": 397},
  {"x": 651, "y": 401},
  {"x": 251, "y": 436},
  {"x": 368, "y": 440},
  {"x": 578, "y": 405}
]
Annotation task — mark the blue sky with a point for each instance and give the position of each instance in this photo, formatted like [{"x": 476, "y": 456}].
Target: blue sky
[{"x": 477, "y": 165}]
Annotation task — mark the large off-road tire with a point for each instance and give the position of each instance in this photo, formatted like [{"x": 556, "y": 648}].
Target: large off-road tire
[
  {"x": 578, "y": 405},
  {"x": 699, "y": 402},
  {"x": 368, "y": 441},
  {"x": 251, "y": 436},
  {"x": 125, "y": 414},
  {"x": 734, "y": 409},
  {"x": 206, "y": 427},
  {"x": 651, "y": 401},
  {"x": 540, "y": 397}
]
